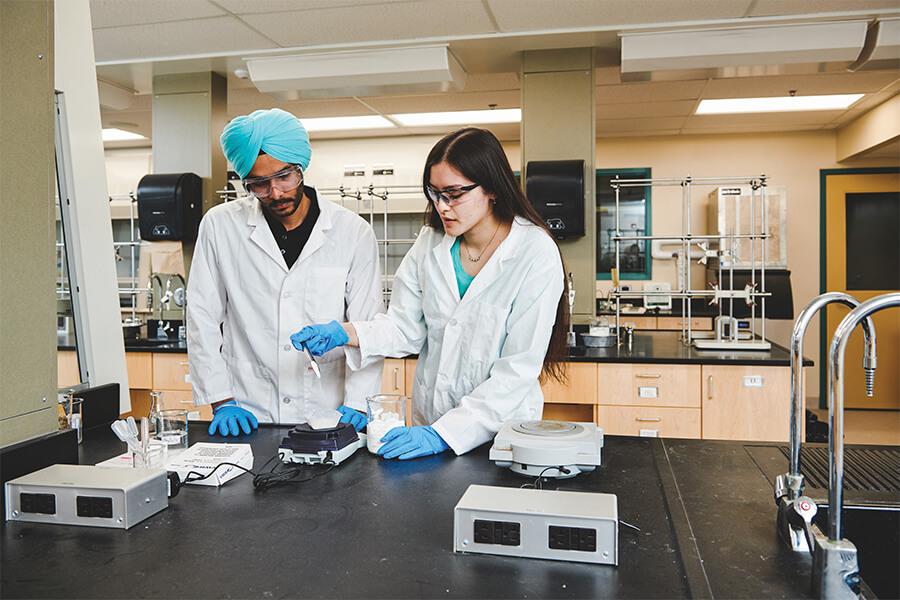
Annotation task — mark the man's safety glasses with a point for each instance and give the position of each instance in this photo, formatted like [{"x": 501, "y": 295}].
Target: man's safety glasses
[
  {"x": 285, "y": 180},
  {"x": 452, "y": 195}
]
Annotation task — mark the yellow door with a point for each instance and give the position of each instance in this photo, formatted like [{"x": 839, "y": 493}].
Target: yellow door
[{"x": 852, "y": 201}]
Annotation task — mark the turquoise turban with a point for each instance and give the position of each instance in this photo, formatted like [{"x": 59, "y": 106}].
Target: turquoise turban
[{"x": 278, "y": 133}]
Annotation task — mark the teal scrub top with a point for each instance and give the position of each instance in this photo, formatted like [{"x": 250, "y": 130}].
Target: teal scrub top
[{"x": 463, "y": 279}]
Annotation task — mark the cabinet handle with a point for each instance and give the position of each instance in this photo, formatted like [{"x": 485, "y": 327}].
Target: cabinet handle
[
  {"x": 186, "y": 402},
  {"x": 184, "y": 363},
  {"x": 396, "y": 382},
  {"x": 648, "y": 420},
  {"x": 648, "y": 376},
  {"x": 709, "y": 387}
]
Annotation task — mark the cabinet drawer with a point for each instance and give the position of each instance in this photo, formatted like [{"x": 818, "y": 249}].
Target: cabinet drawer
[
  {"x": 580, "y": 388},
  {"x": 393, "y": 377},
  {"x": 667, "y": 422},
  {"x": 183, "y": 400},
  {"x": 648, "y": 385},
  {"x": 140, "y": 370},
  {"x": 674, "y": 323},
  {"x": 170, "y": 372}
]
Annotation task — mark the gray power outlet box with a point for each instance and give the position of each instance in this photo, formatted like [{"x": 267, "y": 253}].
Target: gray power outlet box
[
  {"x": 549, "y": 524},
  {"x": 87, "y": 495}
]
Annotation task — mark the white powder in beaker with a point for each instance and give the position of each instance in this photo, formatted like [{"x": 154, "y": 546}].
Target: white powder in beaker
[{"x": 378, "y": 427}]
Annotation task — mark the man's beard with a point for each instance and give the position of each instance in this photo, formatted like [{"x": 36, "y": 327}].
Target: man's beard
[{"x": 294, "y": 200}]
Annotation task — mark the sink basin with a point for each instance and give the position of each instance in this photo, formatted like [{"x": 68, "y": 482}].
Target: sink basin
[{"x": 871, "y": 502}]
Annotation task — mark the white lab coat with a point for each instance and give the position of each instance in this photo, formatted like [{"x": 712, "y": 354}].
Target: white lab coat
[
  {"x": 479, "y": 357},
  {"x": 239, "y": 279}
]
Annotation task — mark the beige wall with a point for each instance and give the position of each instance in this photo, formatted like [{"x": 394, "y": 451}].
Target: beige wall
[{"x": 792, "y": 160}]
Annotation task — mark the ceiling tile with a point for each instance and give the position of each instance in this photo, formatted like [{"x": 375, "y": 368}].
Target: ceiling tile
[
  {"x": 448, "y": 102},
  {"x": 116, "y": 13},
  {"x": 749, "y": 129},
  {"x": 305, "y": 109},
  {"x": 395, "y": 21},
  {"x": 681, "y": 108},
  {"x": 765, "y": 8},
  {"x": 655, "y": 90},
  {"x": 520, "y": 15},
  {"x": 806, "y": 85},
  {"x": 218, "y": 34},
  {"x": 786, "y": 119},
  {"x": 642, "y": 125},
  {"x": 249, "y": 7},
  {"x": 605, "y": 135}
]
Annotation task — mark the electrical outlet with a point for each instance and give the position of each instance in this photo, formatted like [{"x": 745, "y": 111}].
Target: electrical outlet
[{"x": 753, "y": 381}]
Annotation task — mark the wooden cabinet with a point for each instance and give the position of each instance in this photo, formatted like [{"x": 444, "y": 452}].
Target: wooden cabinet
[
  {"x": 746, "y": 403},
  {"x": 140, "y": 370},
  {"x": 184, "y": 400},
  {"x": 393, "y": 377},
  {"x": 654, "y": 421},
  {"x": 170, "y": 371},
  {"x": 581, "y": 387},
  {"x": 636, "y": 384},
  {"x": 637, "y": 321},
  {"x": 674, "y": 323},
  {"x": 67, "y": 373}
]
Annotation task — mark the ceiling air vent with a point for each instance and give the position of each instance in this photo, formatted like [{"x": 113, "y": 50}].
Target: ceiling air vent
[
  {"x": 742, "y": 51},
  {"x": 370, "y": 72}
]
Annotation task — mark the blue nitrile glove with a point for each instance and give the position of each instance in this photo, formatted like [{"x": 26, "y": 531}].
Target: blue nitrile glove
[
  {"x": 412, "y": 442},
  {"x": 354, "y": 417},
  {"x": 228, "y": 416},
  {"x": 320, "y": 338}
]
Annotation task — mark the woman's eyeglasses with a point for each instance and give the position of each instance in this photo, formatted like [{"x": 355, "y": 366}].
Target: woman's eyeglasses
[{"x": 452, "y": 195}]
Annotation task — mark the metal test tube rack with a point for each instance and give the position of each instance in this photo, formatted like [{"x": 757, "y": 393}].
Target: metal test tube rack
[
  {"x": 384, "y": 194},
  {"x": 687, "y": 238}
]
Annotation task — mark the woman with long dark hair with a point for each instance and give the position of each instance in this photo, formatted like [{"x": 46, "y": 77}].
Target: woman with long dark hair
[{"x": 479, "y": 297}]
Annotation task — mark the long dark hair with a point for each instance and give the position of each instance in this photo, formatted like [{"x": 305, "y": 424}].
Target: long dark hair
[{"x": 478, "y": 155}]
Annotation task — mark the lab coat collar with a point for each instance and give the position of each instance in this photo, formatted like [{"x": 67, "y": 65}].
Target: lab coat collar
[
  {"x": 507, "y": 251},
  {"x": 262, "y": 235}
]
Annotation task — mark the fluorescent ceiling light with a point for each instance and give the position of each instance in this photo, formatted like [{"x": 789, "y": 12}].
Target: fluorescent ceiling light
[
  {"x": 343, "y": 123},
  {"x": 120, "y": 135},
  {"x": 460, "y": 117},
  {"x": 776, "y": 104}
]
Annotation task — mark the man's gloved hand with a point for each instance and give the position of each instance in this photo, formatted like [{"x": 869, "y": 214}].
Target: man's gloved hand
[
  {"x": 412, "y": 442},
  {"x": 320, "y": 338},
  {"x": 354, "y": 417},
  {"x": 231, "y": 419}
]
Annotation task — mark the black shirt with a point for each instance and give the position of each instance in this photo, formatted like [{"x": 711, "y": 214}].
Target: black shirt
[{"x": 291, "y": 242}]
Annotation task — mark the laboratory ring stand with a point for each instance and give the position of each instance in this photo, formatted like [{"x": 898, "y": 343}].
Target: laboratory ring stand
[{"x": 723, "y": 249}]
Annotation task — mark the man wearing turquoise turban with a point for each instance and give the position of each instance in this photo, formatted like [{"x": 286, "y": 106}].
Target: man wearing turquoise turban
[{"x": 265, "y": 265}]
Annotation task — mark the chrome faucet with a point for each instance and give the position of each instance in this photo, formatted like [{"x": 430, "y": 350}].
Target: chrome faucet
[
  {"x": 789, "y": 487},
  {"x": 835, "y": 561}
]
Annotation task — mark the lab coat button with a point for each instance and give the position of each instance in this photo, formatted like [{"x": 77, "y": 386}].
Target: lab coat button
[
  {"x": 286, "y": 400},
  {"x": 287, "y": 347},
  {"x": 453, "y": 322}
]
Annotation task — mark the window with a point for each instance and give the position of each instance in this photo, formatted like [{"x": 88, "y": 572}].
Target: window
[{"x": 634, "y": 204}]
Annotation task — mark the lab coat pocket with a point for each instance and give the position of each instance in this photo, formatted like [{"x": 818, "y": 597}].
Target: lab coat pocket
[{"x": 325, "y": 291}]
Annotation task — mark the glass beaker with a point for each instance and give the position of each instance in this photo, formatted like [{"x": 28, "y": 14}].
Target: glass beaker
[
  {"x": 172, "y": 428},
  {"x": 384, "y": 411},
  {"x": 157, "y": 453}
]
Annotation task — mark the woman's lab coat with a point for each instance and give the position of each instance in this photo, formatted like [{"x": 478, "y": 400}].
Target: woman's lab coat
[
  {"x": 479, "y": 357},
  {"x": 239, "y": 279}
]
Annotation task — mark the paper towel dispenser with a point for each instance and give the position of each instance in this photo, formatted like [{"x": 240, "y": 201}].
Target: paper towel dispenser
[
  {"x": 556, "y": 189},
  {"x": 170, "y": 206}
]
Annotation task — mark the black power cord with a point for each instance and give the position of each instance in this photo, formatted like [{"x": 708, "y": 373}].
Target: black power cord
[
  {"x": 538, "y": 483},
  {"x": 280, "y": 472}
]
